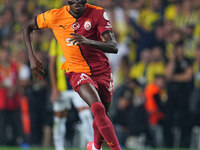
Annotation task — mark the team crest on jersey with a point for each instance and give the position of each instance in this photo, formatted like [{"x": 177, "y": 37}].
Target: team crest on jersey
[
  {"x": 87, "y": 25},
  {"x": 75, "y": 26}
]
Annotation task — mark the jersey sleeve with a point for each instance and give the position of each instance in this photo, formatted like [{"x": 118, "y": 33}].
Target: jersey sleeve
[
  {"x": 103, "y": 25},
  {"x": 44, "y": 20}
]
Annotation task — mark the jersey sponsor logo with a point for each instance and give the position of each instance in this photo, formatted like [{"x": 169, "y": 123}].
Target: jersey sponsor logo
[
  {"x": 83, "y": 77},
  {"x": 69, "y": 43},
  {"x": 75, "y": 26},
  {"x": 87, "y": 25}
]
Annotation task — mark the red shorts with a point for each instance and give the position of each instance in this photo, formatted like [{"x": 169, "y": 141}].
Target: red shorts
[{"x": 103, "y": 83}]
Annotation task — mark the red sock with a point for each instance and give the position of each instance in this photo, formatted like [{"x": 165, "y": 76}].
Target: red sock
[
  {"x": 104, "y": 125},
  {"x": 98, "y": 138}
]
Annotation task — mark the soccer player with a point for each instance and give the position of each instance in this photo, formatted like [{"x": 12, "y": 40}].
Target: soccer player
[
  {"x": 84, "y": 33},
  {"x": 62, "y": 95}
]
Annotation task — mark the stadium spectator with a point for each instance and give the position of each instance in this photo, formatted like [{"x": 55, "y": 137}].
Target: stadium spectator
[
  {"x": 6, "y": 24},
  {"x": 126, "y": 128},
  {"x": 120, "y": 120},
  {"x": 172, "y": 10},
  {"x": 20, "y": 8},
  {"x": 174, "y": 36},
  {"x": 123, "y": 71},
  {"x": 139, "y": 70},
  {"x": 179, "y": 74},
  {"x": 157, "y": 64},
  {"x": 194, "y": 102},
  {"x": 130, "y": 85},
  {"x": 155, "y": 96},
  {"x": 152, "y": 13},
  {"x": 190, "y": 43},
  {"x": 195, "y": 96},
  {"x": 24, "y": 75},
  {"x": 9, "y": 100},
  {"x": 187, "y": 15},
  {"x": 145, "y": 39},
  {"x": 149, "y": 39}
]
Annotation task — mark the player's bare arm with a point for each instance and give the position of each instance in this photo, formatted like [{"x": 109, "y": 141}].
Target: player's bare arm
[
  {"x": 35, "y": 63},
  {"x": 107, "y": 46}
]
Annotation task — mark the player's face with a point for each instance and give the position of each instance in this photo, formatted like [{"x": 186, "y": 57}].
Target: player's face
[{"x": 77, "y": 6}]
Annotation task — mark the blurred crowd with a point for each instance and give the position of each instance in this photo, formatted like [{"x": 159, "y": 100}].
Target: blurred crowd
[{"x": 156, "y": 73}]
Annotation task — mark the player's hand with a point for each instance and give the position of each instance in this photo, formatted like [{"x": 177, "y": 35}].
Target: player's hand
[
  {"x": 78, "y": 39},
  {"x": 54, "y": 95},
  {"x": 36, "y": 67}
]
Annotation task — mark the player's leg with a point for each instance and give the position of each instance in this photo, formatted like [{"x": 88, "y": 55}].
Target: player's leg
[
  {"x": 86, "y": 124},
  {"x": 89, "y": 93},
  {"x": 98, "y": 138},
  {"x": 86, "y": 118},
  {"x": 59, "y": 129},
  {"x": 61, "y": 107}
]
